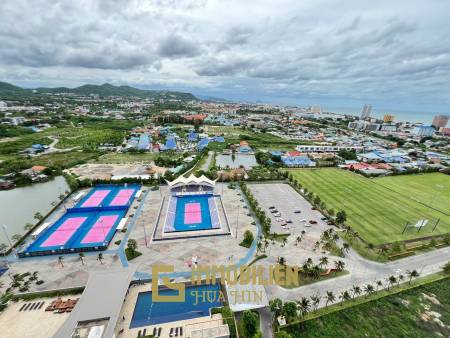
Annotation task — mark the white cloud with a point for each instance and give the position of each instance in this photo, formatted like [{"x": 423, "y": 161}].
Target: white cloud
[{"x": 355, "y": 50}]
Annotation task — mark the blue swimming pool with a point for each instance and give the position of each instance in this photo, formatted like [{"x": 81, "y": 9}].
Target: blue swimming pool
[{"x": 148, "y": 313}]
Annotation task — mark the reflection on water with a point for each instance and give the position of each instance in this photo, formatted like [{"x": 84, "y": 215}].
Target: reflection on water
[{"x": 18, "y": 206}]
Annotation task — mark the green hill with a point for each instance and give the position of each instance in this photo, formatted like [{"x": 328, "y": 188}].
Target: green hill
[{"x": 104, "y": 90}]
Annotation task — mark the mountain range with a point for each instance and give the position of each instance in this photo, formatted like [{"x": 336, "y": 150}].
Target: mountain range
[{"x": 104, "y": 90}]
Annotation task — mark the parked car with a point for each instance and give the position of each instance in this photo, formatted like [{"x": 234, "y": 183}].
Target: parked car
[
  {"x": 313, "y": 208},
  {"x": 274, "y": 211},
  {"x": 312, "y": 222},
  {"x": 330, "y": 222},
  {"x": 288, "y": 221},
  {"x": 307, "y": 225},
  {"x": 323, "y": 218},
  {"x": 272, "y": 207},
  {"x": 297, "y": 212},
  {"x": 303, "y": 220},
  {"x": 277, "y": 214}
]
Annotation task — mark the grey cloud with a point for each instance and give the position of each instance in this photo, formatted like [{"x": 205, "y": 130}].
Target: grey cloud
[{"x": 175, "y": 46}]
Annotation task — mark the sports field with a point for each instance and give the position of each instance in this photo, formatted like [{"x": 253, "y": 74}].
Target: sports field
[{"x": 378, "y": 209}]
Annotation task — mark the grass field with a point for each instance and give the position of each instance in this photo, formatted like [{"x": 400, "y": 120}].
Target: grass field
[
  {"x": 378, "y": 209},
  {"x": 409, "y": 313},
  {"x": 120, "y": 158}
]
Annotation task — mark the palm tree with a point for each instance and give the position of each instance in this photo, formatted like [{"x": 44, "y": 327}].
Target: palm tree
[
  {"x": 391, "y": 281},
  {"x": 315, "y": 299},
  {"x": 330, "y": 298},
  {"x": 356, "y": 291},
  {"x": 60, "y": 261},
  {"x": 346, "y": 247},
  {"x": 368, "y": 289},
  {"x": 339, "y": 265},
  {"x": 284, "y": 241},
  {"x": 81, "y": 255},
  {"x": 344, "y": 295},
  {"x": 412, "y": 274},
  {"x": 323, "y": 261},
  {"x": 304, "y": 305},
  {"x": 100, "y": 258},
  {"x": 369, "y": 246},
  {"x": 38, "y": 216},
  {"x": 316, "y": 245},
  {"x": 379, "y": 283},
  {"x": 400, "y": 279}
]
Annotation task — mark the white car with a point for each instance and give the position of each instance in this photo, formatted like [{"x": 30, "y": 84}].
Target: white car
[
  {"x": 303, "y": 220},
  {"x": 307, "y": 225}
]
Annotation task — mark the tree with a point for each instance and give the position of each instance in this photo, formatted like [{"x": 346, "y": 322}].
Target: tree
[
  {"x": 368, "y": 289},
  {"x": 346, "y": 247},
  {"x": 249, "y": 323},
  {"x": 315, "y": 300},
  {"x": 391, "y": 281},
  {"x": 412, "y": 274},
  {"x": 339, "y": 265},
  {"x": 330, "y": 298},
  {"x": 379, "y": 283},
  {"x": 283, "y": 334},
  {"x": 132, "y": 246},
  {"x": 15, "y": 238},
  {"x": 38, "y": 216},
  {"x": 369, "y": 246},
  {"x": 28, "y": 226},
  {"x": 356, "y": 291},
  {"x": 341, "y": 217},
  {"x": 276, "y": 306},
  {"x": 81, "y": 255},
  {"x": 323, "y": 261},
  {"x": 304, "y": 305},
  {"x": 289, "y": 309},
  {"x": 344, "y": 296}
]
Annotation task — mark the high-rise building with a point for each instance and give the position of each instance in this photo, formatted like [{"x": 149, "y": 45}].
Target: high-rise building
[
  {"x": 366, "y": 111},
  {"x": 440, "y": 121},
  {"x": 388, "y": 118},
  {"x": 424, "y": 131},
  {"x": 316, "y": 110}
]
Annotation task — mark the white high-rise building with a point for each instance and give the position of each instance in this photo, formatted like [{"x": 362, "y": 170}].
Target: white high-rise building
[{"x": 366, "y": 111}]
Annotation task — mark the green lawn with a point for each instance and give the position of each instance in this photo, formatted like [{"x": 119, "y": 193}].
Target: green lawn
[
  {"x": 378, "y": 209},
  {"x": 406, "y": 314},
  {"x": 112, "y": 158}
]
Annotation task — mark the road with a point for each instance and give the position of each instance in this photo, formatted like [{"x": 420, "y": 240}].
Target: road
[{"x": 362, "y": 272}]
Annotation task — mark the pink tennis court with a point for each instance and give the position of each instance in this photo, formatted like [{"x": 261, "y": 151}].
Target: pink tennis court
[
  {"x": 96, "y": 198},
  {"x": 123, "y": 197},
  {"x": 64, "y": 232},
  {"x": 100, "y": 229},
  {"x": 192, "y": 213}
]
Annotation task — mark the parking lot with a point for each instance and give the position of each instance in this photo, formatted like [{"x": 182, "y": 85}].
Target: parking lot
[{"x": 295, "y": 213}]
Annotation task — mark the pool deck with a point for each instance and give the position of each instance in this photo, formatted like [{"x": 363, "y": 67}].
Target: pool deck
[{"x": 33, "y": 323}]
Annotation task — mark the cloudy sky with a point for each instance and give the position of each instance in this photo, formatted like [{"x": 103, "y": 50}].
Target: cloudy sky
[{"x": 393, "y": 54}]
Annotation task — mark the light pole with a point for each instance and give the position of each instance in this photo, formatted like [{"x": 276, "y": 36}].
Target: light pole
[
  {"x": 4, "y": 226},
  {"x": 237, "y": 220}
]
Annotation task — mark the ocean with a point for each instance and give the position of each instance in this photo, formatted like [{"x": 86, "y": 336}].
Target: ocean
[{"x": 400, "y": 116}]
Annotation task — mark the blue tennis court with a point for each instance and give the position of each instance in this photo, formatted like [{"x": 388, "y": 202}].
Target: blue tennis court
[
  {"x": 89, "y": 225},
  {"x": 190, "y": 213},
  {"x": 78, "y": 230}
]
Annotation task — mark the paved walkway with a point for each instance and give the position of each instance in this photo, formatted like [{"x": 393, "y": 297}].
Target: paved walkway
[{"x": 207, "y": 163}]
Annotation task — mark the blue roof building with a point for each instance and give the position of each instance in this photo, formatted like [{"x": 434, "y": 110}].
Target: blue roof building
[
  {"x": 297, "y": 161},
  {"x": 144, "y": 142},
  {"x": 202, "y": 144},
  {"x": 220, "y": 139},
  {"x": 171, "y": 144},
  {"x": 192, "y": 136}
]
